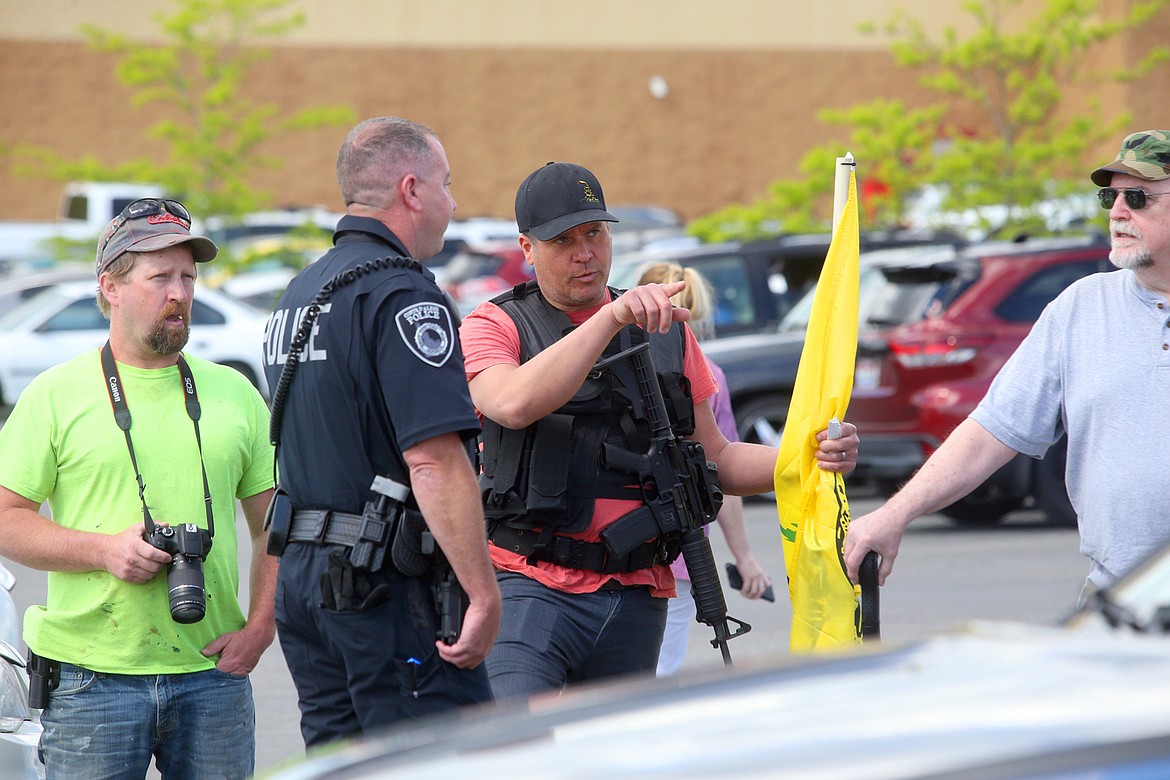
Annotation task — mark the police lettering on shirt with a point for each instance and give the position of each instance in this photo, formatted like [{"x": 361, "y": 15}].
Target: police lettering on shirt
[
  {"x": 427, "y": 330},
  {"x": 280, "y": 331}
]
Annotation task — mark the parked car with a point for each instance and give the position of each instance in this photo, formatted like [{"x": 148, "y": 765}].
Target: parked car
[
  {"x": 20, "y": 726},
  {"x": 267, "y": 224},
  {"x": 64, "y": 321},
  {"x": 482, "y": 271},
  {"x": 761, "y": 367},
  {"x": 921, "y": 371},
  {"x": 479, "y": 230},
  {"x": 757, "y": 282},
  {"x": 936, "y": 324},
  {"x": 464, "y": 233},
  {"x": 260, "y": 286},
  {"x": 1088, "y": 698},
  {"x": 18, "y": 288},
  {"x": 638, "y": 226},
  {"x": 84, "y": 209}
]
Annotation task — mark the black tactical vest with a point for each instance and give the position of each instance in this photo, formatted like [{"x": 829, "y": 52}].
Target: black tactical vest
[{"x": 549, "y": 474}]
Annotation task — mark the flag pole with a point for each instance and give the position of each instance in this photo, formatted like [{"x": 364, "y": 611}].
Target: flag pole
[{"x": 845, "y": 166}]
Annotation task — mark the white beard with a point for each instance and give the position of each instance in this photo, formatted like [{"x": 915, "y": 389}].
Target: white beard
[{"x": 1134, "y": 257}]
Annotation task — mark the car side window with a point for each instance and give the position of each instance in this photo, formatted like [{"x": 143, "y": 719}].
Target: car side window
[
  {"x": 82, "y": 314},
  {"x": 1025, "y": 303},
  {"x": 733, "y": 296},
  {"x": 202, "y": 314},
  {"x": 791, "y": 277}
]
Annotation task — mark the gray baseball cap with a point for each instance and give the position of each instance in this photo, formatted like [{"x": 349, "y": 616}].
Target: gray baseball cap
[{"x": 147, "y": 225}]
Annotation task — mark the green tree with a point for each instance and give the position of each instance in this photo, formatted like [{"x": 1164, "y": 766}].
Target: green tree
[
  {"x": 1012, "y": 74},
  {"x": 882, "y": 135},
  {"x": 1030, "y": 145},
  {"x": 212, "y": 131}
]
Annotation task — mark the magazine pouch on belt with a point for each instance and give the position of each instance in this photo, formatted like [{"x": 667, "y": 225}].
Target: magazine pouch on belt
[
  {"x": 549, "y": 474},
  {"x": 278, "y": 521}
]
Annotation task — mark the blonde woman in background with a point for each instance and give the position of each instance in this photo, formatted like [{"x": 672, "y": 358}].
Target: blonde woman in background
[{"x": 698, "y": 297}]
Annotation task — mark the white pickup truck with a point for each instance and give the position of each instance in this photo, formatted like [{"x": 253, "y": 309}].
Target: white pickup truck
[{"x": 86, "y": 207}]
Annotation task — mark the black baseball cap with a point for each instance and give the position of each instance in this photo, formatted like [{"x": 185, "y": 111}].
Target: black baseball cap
[{"x": 557, "y": 197}]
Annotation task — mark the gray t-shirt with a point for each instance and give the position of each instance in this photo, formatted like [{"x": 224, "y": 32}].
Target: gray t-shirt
[{"x": 1097, "y": 365}]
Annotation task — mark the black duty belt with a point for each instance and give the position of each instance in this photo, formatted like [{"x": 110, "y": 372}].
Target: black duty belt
[
  {"x": 578, "y": 554},
  {"x": 324, "y": 526}
]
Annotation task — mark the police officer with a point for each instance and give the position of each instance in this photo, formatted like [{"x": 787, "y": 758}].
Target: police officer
[
  {"x": 374, "y": 414},
  {"x": 572, "y": 610}
]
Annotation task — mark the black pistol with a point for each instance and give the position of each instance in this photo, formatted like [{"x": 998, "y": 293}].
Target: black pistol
[
  {"x": 451, "y": 604},
  {"x": 451, "y": 600}
]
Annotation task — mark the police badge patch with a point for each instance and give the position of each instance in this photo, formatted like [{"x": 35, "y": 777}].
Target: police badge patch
[{"x": 427, "y": 330}]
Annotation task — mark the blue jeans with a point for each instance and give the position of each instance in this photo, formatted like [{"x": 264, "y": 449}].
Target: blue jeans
[
  {"x": 549, "y": 639},
  {"x": 198, "y": 726}
]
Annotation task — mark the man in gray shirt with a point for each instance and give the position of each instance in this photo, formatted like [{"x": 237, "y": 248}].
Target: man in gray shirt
[{"x": 1095, "y": 366}]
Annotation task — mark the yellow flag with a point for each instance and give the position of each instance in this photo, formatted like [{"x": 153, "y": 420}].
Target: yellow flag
[{"x": 814, "y": 512}]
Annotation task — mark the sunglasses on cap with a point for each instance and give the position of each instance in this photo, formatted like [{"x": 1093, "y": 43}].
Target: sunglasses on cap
[
  {"x": 148, "y": 207},
  {"x": 1135, "y": 197}
]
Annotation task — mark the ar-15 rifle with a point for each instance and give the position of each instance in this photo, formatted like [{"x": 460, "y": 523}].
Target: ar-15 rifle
[{"x": 679, "y": 487}]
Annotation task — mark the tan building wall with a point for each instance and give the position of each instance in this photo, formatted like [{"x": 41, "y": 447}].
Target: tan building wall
[{"x": 509, "y": 86}]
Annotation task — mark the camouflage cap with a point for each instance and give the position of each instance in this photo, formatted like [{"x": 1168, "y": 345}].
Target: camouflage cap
[{"x": 1145, "y": 155}]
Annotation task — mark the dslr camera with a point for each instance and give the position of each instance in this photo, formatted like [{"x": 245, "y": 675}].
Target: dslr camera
[{"x": 188, "y": 545}]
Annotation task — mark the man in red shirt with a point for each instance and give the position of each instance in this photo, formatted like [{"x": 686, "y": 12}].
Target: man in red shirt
[{"x": 574, "y": 611}]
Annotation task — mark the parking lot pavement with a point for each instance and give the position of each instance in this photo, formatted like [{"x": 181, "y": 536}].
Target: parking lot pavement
[
  {"x": 945, "y": 575},
  {"x": 1021, "y": 570}
]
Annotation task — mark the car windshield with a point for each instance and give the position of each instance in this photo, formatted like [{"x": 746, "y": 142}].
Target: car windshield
[
  {"x": 909, "y": 294},
  {"x": 875, "y": 294},
  {"x": 890, "y": 294}
]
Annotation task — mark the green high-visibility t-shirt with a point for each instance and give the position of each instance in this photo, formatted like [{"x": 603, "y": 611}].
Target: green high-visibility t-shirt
[{"x": 61, "y": 443}]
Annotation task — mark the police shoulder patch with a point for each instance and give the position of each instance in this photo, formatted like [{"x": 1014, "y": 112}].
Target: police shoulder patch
[{"x": 428, "y": 332}]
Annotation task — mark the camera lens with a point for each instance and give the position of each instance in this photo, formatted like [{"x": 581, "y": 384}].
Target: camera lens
[{"x": 185, "y": 586}]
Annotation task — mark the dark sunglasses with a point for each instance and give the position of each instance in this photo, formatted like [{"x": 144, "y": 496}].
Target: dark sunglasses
[
  {"x": 148, "y": 207},
  {"x": 1135, "y": 197}
]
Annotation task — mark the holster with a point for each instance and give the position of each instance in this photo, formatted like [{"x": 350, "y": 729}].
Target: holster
[
  {"x": 44, "y": 675},
  {"x": 407, "y": 546},
  {"x": 379, "y": 519}
]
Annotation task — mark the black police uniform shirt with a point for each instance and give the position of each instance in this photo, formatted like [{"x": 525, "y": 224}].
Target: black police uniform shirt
[{"x": 383, "y": 371}]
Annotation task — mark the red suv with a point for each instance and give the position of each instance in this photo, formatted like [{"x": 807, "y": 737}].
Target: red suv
[{"x": 935, "y": 335}]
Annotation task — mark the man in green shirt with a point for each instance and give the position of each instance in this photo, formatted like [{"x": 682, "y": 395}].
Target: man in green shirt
[{"x": 139, "y": 668}]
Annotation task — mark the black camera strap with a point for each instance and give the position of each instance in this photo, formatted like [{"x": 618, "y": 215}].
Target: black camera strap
[{"x": 117, "y": 393}]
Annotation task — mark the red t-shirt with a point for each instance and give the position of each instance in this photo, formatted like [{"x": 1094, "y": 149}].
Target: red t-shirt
[{"x": 489, "y": 337}]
